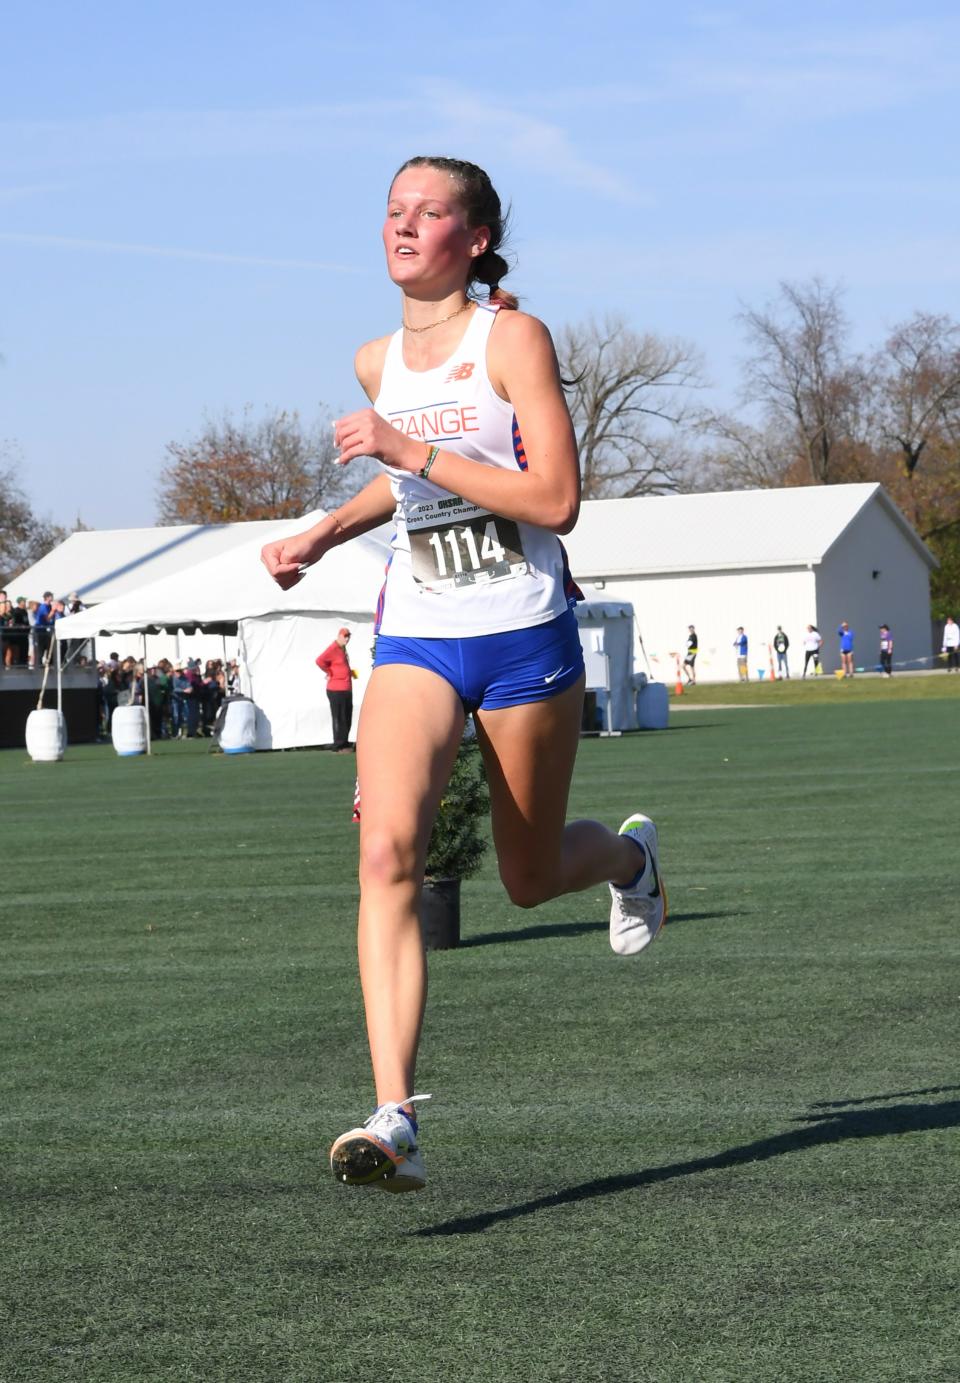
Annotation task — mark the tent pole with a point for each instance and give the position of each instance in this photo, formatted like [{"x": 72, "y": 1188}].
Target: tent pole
[
  {"x": 43, "y": 683},
  {"x": 146, "y": 691},
  {"x": 55, "y": 642},
  {"x": 642, "y": 649}
]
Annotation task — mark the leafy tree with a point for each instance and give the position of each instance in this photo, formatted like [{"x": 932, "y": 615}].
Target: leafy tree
[
  {"x": 24, "y": 537},
  {"x": 268, "y": 468},
  {"x": 630, "y": 400}
]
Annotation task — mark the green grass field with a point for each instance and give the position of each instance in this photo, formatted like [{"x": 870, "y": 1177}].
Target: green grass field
[{"x": 735, "y": 1158}]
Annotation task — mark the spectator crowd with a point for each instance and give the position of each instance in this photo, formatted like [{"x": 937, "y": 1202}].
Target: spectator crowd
[
  {"x": 26, "y": 626},
  {"x": 182, "y": 698}
]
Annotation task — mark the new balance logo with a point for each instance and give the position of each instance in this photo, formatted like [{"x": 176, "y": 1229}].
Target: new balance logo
[{"x": 460, "y": 372}]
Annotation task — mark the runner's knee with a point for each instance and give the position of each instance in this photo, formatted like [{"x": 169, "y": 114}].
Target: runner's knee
[
  {"x": 527, "y": 885},
  {"x": 386, "y": 857}
]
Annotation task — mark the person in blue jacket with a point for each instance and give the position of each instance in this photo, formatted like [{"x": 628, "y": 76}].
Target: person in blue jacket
[
  {"x": 845, "y": 635},
  {"x": 740, "y": 644}
]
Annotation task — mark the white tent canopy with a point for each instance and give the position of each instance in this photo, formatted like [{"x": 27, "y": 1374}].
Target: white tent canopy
[
  {"x": 101, "y": 564},
  {"x": 280, "y": 632}
]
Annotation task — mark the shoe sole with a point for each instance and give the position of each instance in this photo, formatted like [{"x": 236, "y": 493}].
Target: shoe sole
[{"x": 362, "y": 1161}]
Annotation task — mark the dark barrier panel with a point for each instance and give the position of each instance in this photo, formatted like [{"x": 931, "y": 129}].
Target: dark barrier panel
[{"x": 19, "y": 691}]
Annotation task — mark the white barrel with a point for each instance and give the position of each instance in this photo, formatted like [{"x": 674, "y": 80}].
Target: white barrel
[
  {"x": 239, "y": 733},
  {"x": 653, "y": 707},
  {"x": 128, "y": 730},
  {"x": 46, "y": 736}
]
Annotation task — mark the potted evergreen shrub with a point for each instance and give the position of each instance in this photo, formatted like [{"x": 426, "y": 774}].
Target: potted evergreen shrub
[{"x": 455, "y": 850}]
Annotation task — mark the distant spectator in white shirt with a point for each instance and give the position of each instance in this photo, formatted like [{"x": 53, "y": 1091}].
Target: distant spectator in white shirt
[{"x": 812, "y": 642}]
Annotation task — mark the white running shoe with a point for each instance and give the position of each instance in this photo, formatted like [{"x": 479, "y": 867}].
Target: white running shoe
[
  {"x": 638, "y": 913},
  {"x": 383, "y": 1152}
]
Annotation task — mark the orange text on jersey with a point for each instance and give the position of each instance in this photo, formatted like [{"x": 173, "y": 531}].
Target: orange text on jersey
[{"x": 440, "y": 422}]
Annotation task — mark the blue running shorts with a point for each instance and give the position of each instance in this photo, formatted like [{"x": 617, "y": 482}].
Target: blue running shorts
[{"x": 490, "y": 671}]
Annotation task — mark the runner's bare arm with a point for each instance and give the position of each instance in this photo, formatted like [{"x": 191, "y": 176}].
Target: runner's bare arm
[
  {"x": 368, "y": 365},
  {"x": 370, "y": 507},
  {"x": 286, "y": 558},
  {"x": 523, "y": 368}
]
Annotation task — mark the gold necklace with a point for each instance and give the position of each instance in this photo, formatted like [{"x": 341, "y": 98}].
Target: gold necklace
[{"x": 441, "y": 320}]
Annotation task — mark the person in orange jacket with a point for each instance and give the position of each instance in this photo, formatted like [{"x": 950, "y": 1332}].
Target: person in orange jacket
[{"x": 336, "y": 664}]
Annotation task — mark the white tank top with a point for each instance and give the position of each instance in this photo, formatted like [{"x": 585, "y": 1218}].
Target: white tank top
[{"x": 456, "y": 570}]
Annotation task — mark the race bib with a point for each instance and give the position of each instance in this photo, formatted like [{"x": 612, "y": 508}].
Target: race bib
[{"x": 454, "y": 544}]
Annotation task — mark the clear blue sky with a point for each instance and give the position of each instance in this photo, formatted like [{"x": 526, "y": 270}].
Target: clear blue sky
[{"x": 191, "y": 194}]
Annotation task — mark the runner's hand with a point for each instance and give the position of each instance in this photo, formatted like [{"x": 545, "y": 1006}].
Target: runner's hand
[
  {"x": 286, "y": 558},
  {"x": 367, "y": 434}
]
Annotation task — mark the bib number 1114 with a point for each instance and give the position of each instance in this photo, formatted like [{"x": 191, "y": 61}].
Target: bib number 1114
[
  {"x": 449, "y": 556},
  {"x": 465, "y": 549}
]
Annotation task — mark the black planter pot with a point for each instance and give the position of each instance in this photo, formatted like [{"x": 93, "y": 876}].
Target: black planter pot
[{"x": 440, "y": 914}]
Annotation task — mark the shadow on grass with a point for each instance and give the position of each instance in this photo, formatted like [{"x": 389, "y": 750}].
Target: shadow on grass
[
  {"x": 821, "y": 1130},
  {"x": 545, "y": 930},
  {"x": 872, "y": 1099},
  {"x": 542, "y": 932}
]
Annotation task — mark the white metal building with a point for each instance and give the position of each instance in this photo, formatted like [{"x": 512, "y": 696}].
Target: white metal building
[{"x": 758, "y": 558}]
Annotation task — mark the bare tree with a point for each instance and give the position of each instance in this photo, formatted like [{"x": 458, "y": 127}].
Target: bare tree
[
  {"x": 629, "y": 397},
  {"x": 801, "y": 377},
  {"x": 918, "y": 379},
  {"x": 743, "y": 457},
  {"x": 917, "y": 435},
  {"x": 268, "y": 468},
  {"x": 828, "y": 416}
]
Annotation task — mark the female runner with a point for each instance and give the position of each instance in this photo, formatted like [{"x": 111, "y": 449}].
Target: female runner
[{"x": 480, "y": 473}]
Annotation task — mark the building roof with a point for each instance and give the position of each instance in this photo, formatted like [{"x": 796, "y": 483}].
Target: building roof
[
  {"x": 102, "y": 563},
  {"x": 729, "y": 530}
]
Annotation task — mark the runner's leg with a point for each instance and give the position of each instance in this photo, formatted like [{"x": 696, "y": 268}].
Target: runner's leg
[
  {"x": 529, "y": 752},
  {"x": 403, "y": 765}
]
